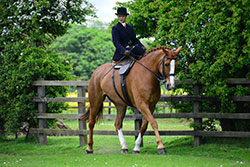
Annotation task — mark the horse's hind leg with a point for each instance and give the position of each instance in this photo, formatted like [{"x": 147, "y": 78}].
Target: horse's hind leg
[
  {"x": 96, "y": 106},
  {"x": 144, "y": 126},
  {"x": 136, "y": 149},
  {"x": 121, "y": 110}
]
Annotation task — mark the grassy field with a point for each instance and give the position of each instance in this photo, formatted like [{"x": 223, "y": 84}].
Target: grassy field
[{"x": 65, "y": 151}]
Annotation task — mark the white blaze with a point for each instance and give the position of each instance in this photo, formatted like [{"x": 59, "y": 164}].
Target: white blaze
[{"x": 172, "y": 70}]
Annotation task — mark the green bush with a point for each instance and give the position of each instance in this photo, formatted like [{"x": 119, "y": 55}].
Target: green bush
[
  {"x": 16, "y": 87},
  {"x": 216, "y": 40},
  {"x": 26, "y": 29}
]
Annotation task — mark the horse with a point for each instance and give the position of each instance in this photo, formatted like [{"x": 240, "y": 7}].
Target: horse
[{"x": 143, "y": 87}]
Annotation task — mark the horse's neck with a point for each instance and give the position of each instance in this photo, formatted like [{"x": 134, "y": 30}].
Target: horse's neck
[{"x": 152, "y": 61}]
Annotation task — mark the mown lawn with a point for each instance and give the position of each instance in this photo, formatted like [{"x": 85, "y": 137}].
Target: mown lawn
[{"x": 65, "y": 151}]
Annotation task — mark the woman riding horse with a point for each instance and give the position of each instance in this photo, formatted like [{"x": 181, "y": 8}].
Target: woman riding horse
[{"x": 143, "y": 87}]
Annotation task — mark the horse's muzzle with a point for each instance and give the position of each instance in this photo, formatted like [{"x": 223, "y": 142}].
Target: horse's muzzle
[{"x": 170, "y": 85}]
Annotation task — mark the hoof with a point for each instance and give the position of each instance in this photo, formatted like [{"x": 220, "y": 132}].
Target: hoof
[
  {"x": 161, "y": 151},
  {"x": 124, "y": 151},
  {"x": 136, "y": 152},
  {"x": 89, "y": 152}
]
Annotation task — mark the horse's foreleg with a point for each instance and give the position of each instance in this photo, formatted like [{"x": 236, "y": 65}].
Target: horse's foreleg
[
  {"x": 161, "y": 148},
  {"x": 121, "y": 110},
  {"x": 148, "y": 115}
]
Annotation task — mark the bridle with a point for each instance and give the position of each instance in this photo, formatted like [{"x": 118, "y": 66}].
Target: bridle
[
  {"x": 164, "y": 75},
  {"x": 160, "y": 78},
  {"x": 171, "y": 72}
]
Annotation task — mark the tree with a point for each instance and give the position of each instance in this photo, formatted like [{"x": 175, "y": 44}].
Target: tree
[
  {"x": 88, "y": 47},
  {"x": 216, "y": 40},
  {"x": 27, "y": 28}
]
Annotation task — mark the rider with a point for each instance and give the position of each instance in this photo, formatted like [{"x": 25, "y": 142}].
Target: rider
[{"x": 122, "y": 36}]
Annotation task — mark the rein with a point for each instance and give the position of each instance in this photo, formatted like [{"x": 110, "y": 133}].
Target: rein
[{"x": 161, "y": 79}]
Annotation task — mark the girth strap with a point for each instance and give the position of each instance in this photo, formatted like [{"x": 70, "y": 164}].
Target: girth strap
[{"x": 124, "y": 90}]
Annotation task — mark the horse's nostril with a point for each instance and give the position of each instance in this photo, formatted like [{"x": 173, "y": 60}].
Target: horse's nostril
[{"x": 167, "y": 86}]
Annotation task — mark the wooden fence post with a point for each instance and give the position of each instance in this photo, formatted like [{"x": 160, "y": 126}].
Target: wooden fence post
[
  {"x": 81, "y": 110},
  {"x": 109, "y": 109},
  {"x": 164, "y": 103},
  {"x": 138, "y": 123},
  {"x": 42, "y": 109},
  {"x": 197, "y": 121}
]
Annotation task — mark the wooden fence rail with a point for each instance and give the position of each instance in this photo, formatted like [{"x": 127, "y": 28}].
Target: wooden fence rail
[{"x": 42, "y": 116}]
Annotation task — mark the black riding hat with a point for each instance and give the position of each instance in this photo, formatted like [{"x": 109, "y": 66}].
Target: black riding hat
[{"x": 122, "y": 11}]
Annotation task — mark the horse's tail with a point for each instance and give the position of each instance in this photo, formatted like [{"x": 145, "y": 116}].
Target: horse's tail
[
  {"x": 99, "y": 116},
  {"x": 85, "y": 116},
  {"x": 100, "y": 113}
]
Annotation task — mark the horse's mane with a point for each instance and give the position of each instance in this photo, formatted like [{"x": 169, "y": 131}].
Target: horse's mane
[{"x": 157, "y": 48}]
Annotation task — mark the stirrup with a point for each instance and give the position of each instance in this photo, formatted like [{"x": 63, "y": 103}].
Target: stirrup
[{"x": 118, "y": 66}]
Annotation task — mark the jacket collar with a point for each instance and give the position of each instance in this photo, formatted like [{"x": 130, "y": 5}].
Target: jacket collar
[{"x": 122, "y": 24}]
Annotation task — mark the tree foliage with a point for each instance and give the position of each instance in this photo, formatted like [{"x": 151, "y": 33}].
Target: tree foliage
[
  {"x": 88, "y": 47},
  {"x": 26, "y": 28},
  {"x": 215, "y": 36}
]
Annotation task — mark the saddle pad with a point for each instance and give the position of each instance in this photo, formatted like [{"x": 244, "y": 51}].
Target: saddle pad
[
  {"x": 123, "y": 66},
  {"x": 123, "y": 69},
  {"x": 126, "y": 66},
  {"x": 119, "y": 65}
]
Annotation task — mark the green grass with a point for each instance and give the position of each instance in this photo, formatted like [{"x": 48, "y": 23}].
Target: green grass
[{"x": 65, "y": 152}]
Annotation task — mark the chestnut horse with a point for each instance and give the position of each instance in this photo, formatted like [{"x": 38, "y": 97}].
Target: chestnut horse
[{"x": 143, "y": 86}]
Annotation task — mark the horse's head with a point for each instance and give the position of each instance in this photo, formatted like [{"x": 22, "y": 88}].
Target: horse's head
[{"x": 168, "y": 65}]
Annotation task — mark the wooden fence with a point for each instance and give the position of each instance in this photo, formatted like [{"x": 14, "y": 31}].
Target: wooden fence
[{"x": 197, "y": 115}]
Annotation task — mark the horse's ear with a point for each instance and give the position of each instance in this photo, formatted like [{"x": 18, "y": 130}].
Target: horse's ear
[{"x": 178, "y": 50}]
